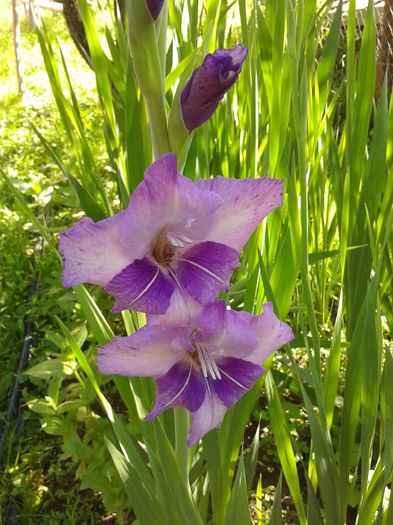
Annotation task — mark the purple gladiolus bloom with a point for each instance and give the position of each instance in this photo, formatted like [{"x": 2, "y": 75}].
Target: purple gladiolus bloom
[
  {"x": 204, "y": 366},
  {"x": 175, "y": 236},
  {"x": 154, "y": 7},
  {"x": 209, "y": 83}
]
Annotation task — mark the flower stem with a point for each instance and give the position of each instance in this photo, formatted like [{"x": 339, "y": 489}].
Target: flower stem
[
  {"x": 158, "y": 126},
  {"x": 182, "y": 451}
]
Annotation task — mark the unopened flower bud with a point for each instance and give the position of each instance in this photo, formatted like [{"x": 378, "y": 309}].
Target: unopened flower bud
[{"x": 209, "y": 83}]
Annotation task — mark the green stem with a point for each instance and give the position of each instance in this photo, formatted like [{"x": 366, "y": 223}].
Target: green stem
[
  {"x": 158, "y": 125},
  {"x": 182, "y": 451}
]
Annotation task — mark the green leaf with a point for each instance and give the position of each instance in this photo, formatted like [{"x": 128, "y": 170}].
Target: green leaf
[{"x": 237, "y": 509}]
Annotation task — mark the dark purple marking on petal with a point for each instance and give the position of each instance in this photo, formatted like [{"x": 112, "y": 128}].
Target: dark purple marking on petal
[
  {"x": 182, "y": 386},
  {"x": 141, "y": 286},
  {"x": 205, "y": 269},
  {"x": 209, "y": 83},
  {"x": 237, "y": 377}
]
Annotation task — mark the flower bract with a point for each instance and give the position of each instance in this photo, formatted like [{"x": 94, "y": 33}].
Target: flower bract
[
  {"x": 204, "y": 365},
  {"x": 175, "y": 235}
]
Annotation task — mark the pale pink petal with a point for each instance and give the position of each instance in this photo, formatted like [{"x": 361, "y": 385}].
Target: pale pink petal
[
  {"x": 246, "y": 203},
  {"x": 147, "y": 352},
  {"x": 92, "y": 252},
  {"x": 182, "y": 311},
  {"x": 227, "y": 331},
  {"x": 208, "y": 416},
  {"x": 271, "y": 332}
]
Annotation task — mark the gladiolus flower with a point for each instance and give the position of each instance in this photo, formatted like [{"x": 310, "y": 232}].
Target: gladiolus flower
[
  {"x": 174, "y": 235},
  {"x": 209, "y": 83},
  {"x": 204, "y": 366}
]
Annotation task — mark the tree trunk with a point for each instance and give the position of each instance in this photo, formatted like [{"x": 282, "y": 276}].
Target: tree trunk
[
  {"x": 76, "y": 28},
  {"x": 385, "y": 50},
  {"x": 17, "y": 47}
]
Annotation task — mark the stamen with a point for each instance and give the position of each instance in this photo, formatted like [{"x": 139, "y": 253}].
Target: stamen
[
  {"x": 146, "y": 288},
  {"x": 215, "y": 367},
  {"x": 208, "y": 362},
  {"x": 232, "y": 379},
  {"x": 180, "y": 391},
  {"x": 175, "y": 241},
  {"x": 202, "y": 360},
  {"x": 178, "y": 240},
  {"x": 185, "y": 239},
  {"x": 201, "y": 268}
]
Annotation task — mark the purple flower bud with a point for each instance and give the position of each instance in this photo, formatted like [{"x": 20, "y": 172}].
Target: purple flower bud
[
  {"x": 209, "y": 83},
  {"x": 154, "y": 7}
]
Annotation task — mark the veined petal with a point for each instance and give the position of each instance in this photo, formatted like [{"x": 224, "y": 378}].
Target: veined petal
[
  {"x": 237, "y": 378},
  {"x": 246, "y": 203},
  {"x": 141, "y": 286},
  {"x": 92, "y": 252},
  {"x": 183, "y": 310},
  {"x": 166, "y": 201},
  {"x": 205, "y": 269},
  {"x": 209, "y": 415},
  {"x": 226, "y": 330},
  {"x": 147, "y": 352},
  {"x": 271, "y": 332},
  {"x": 182, "y": 386}
]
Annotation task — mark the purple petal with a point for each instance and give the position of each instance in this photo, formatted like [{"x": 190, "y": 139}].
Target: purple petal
[
  {"x": 141, "y": 286},
  {"x": 92, "y": 251},
  {"x": 182, "y": 386},
  {"x": 246, "y": 203},
  {"x": 209, "y": 415},
  {"x": 226, "y": 330},
  {"x": 209, "y": 83},
  {"x": 205, "y": 269},
  {"x": 154, "y": 7},
  {"x": 147, "y": 352},
  {"x": 271, "y": 333},
  {"x": 166, "y": 201},
  {"x": 237, "y": 377}
]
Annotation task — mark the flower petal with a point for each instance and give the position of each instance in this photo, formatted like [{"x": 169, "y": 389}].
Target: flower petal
[
  {"x": 182, "y": 386},
  {"x": 226, "y": 330},
  {"x": 182, "y": 311},
  {"x": 271, "y": 332},
  {"x": 205, "y": 269},
  {"x": 166, "y": 200},
  {"x": 237, "y": 378},
  {"x": 246, "y": 203},
  {"x": 147, "y": 352},
  {"x": 92, "y": 252},
  {"x": 141, "y": 286},
  {"x": 209, "y": 415}
]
